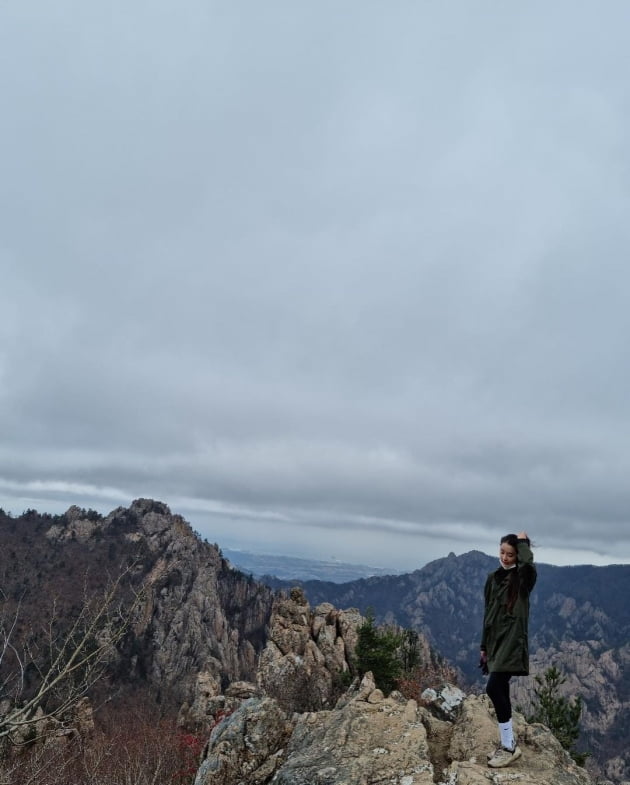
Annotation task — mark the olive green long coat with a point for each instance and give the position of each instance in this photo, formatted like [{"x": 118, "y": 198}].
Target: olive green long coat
[{"x": 505, "y": 633}]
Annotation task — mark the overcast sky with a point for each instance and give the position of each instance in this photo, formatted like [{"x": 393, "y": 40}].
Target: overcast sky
[{"x": 332, "y": 279}]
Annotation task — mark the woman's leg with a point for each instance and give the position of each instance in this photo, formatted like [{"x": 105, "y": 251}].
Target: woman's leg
[{"x": 498, "y": 689}]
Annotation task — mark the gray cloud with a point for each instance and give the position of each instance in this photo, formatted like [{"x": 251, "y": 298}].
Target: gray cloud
[{"x": 329, "y": 282}]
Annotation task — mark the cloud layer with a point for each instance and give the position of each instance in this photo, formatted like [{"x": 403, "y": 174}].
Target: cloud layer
[{"x": 331, "y": 281}]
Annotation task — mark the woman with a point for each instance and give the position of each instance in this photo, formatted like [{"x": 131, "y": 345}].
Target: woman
[{"x": 504, "y": 640}]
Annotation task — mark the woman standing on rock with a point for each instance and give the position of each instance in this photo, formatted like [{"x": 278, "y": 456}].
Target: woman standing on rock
[{"x": 504, "y": 640}]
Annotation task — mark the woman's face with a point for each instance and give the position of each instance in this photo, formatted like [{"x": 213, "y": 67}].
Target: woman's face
[{"x": 507, "y": 554}]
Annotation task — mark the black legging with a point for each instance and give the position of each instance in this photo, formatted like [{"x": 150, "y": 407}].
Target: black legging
[{"x": 498, "y": 689}]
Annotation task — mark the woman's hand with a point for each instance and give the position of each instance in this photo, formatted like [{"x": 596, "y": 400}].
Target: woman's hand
[{"x": 522, "y": 536}]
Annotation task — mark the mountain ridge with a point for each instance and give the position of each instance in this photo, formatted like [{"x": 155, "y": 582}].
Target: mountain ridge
[{"x": 204, "y": 624}]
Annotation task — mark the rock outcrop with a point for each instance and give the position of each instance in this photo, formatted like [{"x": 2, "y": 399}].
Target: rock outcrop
[
  {"x": 248, "y": 745},
  {"x": 307, "y": 657},
  {"x": 368, "y": 739}
]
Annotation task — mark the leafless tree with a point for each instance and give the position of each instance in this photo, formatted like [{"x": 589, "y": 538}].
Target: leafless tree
[
  {"x": 132, "y": 745},
  {"x": 46, "y": 673}
]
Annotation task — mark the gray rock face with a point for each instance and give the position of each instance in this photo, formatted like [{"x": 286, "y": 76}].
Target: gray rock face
[
  {"x": 368, "y": 739},
  {"x": 201, "y": 616},
  {"x": 308, "y": 652},
  {"x": 247, "y": 746},
  {"x": 201, "y": 623},
  {"x": 596, "y": 674}
]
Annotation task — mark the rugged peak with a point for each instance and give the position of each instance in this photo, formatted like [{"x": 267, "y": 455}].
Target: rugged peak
[
  {"x": 143, "y": 519},
  {"x": 157, "y": 525},
  {"x": 74, "y": 513},
  {"x": 200, "y": 623},
  {"x": 144, "y": 506}
]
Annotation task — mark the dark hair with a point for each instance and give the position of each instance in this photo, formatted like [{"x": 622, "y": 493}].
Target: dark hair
[
  {"x": 511, "y": 540},
  {"x": 513, "y": 580}
]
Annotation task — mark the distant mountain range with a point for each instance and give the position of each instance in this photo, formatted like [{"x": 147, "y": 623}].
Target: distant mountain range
[
  {"x": 290, "y": 568},
  {"x": 203, "y": 617}
]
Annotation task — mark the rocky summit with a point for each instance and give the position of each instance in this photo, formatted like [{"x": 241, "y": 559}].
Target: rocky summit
[
  {"x": 361, "y": 737},
  {"x": 369, "y": 739}
]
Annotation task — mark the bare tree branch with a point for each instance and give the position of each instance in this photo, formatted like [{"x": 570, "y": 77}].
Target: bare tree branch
[{"x": 73, "y": 661}]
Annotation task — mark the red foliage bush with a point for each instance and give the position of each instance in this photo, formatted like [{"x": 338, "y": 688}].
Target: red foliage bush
[
  {"x": 429, "y": 674},
  {"x": 132, "y": 744}
]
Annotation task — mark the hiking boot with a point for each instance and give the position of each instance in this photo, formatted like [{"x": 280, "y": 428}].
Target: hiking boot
[
  {"x": 503, "y": 757},
  {"x": 496, "y": 750}
]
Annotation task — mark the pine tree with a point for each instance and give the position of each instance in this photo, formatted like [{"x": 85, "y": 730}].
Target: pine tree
[
  {"x": 409, "y": 652},
  {"x": 561, "y": 716},
  {"x": 377, "y": 651}
]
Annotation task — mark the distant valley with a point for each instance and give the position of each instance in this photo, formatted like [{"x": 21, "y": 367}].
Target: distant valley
[{"x": 291, "y": 568}]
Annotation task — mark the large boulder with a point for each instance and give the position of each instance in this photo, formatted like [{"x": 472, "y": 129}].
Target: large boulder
[
  {"x": 369, "y": 739},
  {"x": 246, "y": 746}
]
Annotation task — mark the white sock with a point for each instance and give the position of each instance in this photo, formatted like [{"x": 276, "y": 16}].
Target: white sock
[{"x": 507, "y": 735}]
